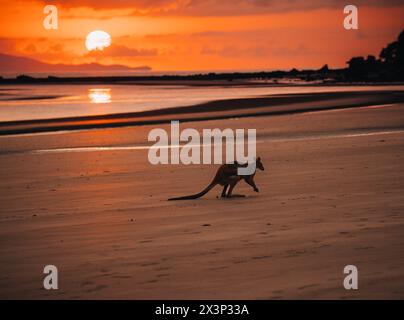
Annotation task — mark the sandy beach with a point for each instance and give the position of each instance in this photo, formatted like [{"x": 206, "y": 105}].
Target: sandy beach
[{"x": 90, "y": 203}]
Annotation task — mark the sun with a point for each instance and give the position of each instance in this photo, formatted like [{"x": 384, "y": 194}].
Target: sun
[{"x": 98, "y": 40}]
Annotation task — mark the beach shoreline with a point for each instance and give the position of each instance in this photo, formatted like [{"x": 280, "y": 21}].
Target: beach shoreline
[{"x": 213, "y": 110}]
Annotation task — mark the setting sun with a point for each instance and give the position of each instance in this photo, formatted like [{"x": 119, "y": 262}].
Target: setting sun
[
  {"x": 99, "y": 95},
  {"x": 98, "y": 40}
]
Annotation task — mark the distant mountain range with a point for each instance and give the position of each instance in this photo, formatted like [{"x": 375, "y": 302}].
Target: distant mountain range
[{"x": 22, "y": 65}]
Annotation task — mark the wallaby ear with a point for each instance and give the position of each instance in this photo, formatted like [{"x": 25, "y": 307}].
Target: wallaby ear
[{"x": 259, "y": 159}]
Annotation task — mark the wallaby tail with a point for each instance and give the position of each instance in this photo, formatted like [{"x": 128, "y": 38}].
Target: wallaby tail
[{"x": 196, "y": 196}]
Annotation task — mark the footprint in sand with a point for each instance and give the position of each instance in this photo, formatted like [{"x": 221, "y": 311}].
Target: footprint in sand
[
  {"x": 163, "y": 275},
  {"x": 239, "y": 261},
  {"x": 260, "y": 257},
  {"x": 97, "y": 288},
  {"x": 308, "y": 286},
  {"x": 151, "y": 281},
  {"x": 148, "y": 264},
  {"x": 277, "y": 291},
  {"x": 163, "y": 268},
  {"x": 145, "y": 241},
  {"x": 294, "y": 253},
  {"x": 325, "y": 245},
  {"x": 364, "y": 248},
  {"x": 122, "y": 277},
  {"x": 218, "y": 268}
]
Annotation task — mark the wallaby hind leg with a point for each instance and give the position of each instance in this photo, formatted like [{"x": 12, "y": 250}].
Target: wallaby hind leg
[
  {"x": 251, "y": 182},
  {"x": 230, "y": 193},
  {"x": 224, "y": 190},
  {"x": 230, "y": 190}
]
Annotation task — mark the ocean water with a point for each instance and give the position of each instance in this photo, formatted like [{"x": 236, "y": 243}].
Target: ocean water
[{"x": 25, "y": 102}]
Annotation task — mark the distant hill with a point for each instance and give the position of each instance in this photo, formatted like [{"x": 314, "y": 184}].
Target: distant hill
[{"x": 16, "y": 64}]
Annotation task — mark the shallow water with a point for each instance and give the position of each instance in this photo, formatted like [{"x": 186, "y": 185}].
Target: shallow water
[{"x": 24, "y": 102}]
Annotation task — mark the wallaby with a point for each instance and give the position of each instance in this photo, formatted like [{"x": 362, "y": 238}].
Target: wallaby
[{"x": 227, "y": 176}]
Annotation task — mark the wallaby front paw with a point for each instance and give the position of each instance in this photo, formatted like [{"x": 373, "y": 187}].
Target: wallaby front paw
[{"x": 256, "y": 190}]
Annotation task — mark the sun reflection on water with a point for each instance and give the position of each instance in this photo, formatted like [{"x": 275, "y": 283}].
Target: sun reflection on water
[{"x": 99, "y": 95}]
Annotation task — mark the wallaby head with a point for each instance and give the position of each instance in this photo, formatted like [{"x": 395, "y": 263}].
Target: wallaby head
[{"x": 259, "y": 164}]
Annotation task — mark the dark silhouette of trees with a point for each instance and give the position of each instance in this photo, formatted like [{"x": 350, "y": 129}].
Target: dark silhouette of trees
[
  {"x": 356, "y": 68},
  {"x": 324, "y": 69},
  {"x": 388, "y": 68},
  {"x": 394, "y": 52},
  {"x": 393, "y": 58}
]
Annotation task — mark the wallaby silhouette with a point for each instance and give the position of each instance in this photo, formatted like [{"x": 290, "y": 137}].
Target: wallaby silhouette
[{"x": 227, "y": 177}]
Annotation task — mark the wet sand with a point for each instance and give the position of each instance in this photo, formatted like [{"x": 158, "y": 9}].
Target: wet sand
[{"x": 331, "y": 195}]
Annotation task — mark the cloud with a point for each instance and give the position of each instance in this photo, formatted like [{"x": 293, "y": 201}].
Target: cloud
[
  {"x": 7, "y": 45},
  {"x": 256, "y": 52},
  {"x": 140, "y": 5},
  {"x": 216, "y": 7},
  {"x": 39, "y": 48},
  {"x": 256, "y": 7},
  {"x": 116, "y": 50}
]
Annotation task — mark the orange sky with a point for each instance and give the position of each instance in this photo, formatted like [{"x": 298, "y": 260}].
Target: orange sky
[{"x": 201, "y": 34}]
